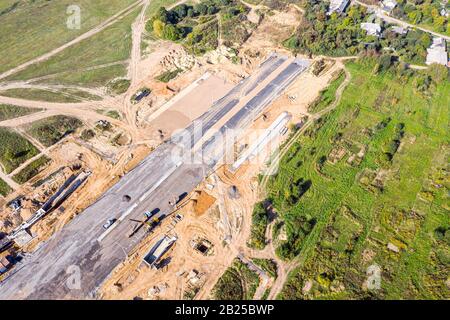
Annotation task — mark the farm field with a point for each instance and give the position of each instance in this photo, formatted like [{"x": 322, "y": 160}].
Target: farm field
[
  {"x": 46, "y": 21},
  {"x": 14, "y": 150},
  {"x": 364, "y": 192}
]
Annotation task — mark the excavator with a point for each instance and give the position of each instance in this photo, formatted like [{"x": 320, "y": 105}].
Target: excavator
[{"x": 150, "y": 222}]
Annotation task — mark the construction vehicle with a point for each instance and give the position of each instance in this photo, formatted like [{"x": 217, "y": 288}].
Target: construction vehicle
[{"x": 150, "y": 222}]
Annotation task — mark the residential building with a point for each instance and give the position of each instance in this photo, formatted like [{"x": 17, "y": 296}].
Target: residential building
[
  {"x": 337, "y": 6},
  {"x": 372, "y": 29},
  {"x": 437, "y": 52},
  {"x": 388, "y": 5}
]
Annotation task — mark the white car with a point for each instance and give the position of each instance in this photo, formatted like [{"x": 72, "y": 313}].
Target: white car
[{"x": 109, "y": 223}]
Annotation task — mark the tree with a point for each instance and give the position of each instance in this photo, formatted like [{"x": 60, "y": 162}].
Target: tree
[
  {"x": 181, "y": 11},
  {"x": 172, "y": 32},
  {"x": 201, "y": 9},
  {"x": 158, "y": 28}
]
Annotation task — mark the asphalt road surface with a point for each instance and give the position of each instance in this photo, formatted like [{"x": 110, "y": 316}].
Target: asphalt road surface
[{"x": 75, "y": 261}]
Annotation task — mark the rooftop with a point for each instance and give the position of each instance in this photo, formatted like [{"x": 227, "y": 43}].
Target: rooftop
[
  {"x": 388, "y": 5},
  {"x": 373, "y": 29},
  {"x": 437, "y": 52},
  {"x": 337, "y": 6}
]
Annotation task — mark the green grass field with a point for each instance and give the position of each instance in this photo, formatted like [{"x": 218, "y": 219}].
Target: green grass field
[
  {"x": 14, "y": 150},
  {"x": 4, "y": 188},
  {"x": 370, "y": 195},
  {"x": 32, "y": 28},
  {"x": 327, "y": 96},
  {"x": 109, "y": 46},
  {"x": 51, "y": 130},
  {"x": 63, "y": 96},
  {"x": 31, "y": 170},
  {"x": 8, "y": 111}
]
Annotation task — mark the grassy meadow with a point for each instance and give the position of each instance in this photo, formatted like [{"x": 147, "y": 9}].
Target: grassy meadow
[
  {"x": 32, "y": 28},
  {"x": 367, "y": 185}
]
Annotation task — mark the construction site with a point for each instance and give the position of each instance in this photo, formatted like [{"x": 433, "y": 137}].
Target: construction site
[{"x": 139, "y": 223}]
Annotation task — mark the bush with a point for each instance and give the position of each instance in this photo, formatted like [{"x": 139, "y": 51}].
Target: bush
[
  {"x": 87, "y": 134},
  {"x": 260, "y": 220},
  {"x": 169, "y": 75}
]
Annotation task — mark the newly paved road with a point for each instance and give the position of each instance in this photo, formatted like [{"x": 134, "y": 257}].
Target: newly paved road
[{"x": 52, "y": 271}]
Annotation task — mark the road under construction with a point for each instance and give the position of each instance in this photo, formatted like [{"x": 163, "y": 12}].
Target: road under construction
[{"x": 84, "y": 248}]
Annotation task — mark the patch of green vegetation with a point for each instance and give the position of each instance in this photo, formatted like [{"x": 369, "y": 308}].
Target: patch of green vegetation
[
  {"x": 25, "y": 21},
  {"x": 423, "y": 13},
  {"x": 196, "y": 26},
  {"x": 237, "y": 283},
  {"x": 328, "y": 95},
  {"x": 392, "y": 226},
  {"x": 169, "y": 75},
  {"x": 118, "y": 86},
  {"x": 31, "y": 170},
  {"x": 51, "y": 130},
  {"x": 114, "y": 114},
  {"x": 260, "y": 220},
  {"x": 8, "y": 111},
  {"x": 5, "y": 189},
  {"x": 235, "y": 28},
  {"x": 87, "y": 134},
  {"x": 112, "y": 45},
  {"x": 63, "y": 96},
  {"x": 268, "y": 265},
  {"x": 109, "y": 113},
  {"x": 14, "y": 150}
]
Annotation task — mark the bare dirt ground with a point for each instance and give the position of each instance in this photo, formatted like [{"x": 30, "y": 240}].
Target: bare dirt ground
[{"x": 190, "y": 107}]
